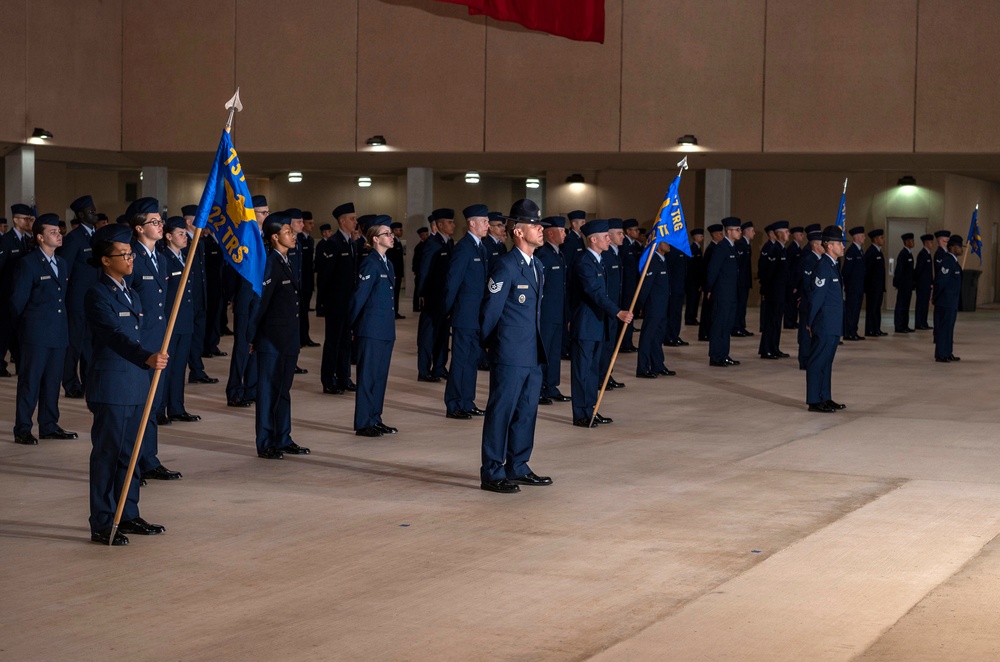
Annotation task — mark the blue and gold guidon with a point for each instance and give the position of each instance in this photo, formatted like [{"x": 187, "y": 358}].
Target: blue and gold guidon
[
  {"x": 670, "y": 225},
  {"x": 226, "y": 209},
  {"x": 975, "y": 236}
]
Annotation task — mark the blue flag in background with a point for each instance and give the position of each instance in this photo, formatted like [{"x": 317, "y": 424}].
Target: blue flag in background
[
  {"x": 842, "y": 210},
  {"x": 227, "y": 210},
  {"x": 670, "y": 226},
  {"x": 975, "y": 236}
]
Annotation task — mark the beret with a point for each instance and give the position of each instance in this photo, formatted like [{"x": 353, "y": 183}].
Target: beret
[
  {"x": 175, "y": 223},
  {"x": 259, "y": 201},
  {"x": 907, "y": 236},
  {"x": 731, "y": 222},
  {"x": 833, "y": 233},
  {"x": 943, "y": 233},
  {"x": 42, "y": 221},
  {"x": 189, "y": 210},
  {"x": 876, "y": 233},
  {"x": 554, "y": 221},
  {"x": 81, "y": 203},
  {"x": 858, "y": 230},
  {"x": 443, "y": 212},
  {"x": 475, "y": 210},
  {"x": 143, "y": 206},
  {"x": 593, "y": 227}
]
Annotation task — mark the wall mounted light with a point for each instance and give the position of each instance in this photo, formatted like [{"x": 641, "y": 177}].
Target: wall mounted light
[
  {"x": 294, "y": 177},
  {"x": 907, "y": 180},
  {"x": 376, "y": 141},
  {"x": 41, "y": 134},
  {"x": 472, "y": 177},
  {"x": 532, "y": 182},
  {"x": 687, "y": 140},
  {"x": 576, "y": 178},
  {"x": 364, "y": 182}
]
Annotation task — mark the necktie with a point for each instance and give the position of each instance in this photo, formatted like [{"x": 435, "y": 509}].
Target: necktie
[
  {"x": 24, "y": 243},
  {"x": 55, "y": 269},
  {"x": 156, "y": 266}
]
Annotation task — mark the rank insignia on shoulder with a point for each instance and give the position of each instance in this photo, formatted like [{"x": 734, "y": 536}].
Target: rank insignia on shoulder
[
  {"x": 495, "y": 287},
  {"x": 266, "y": 282},
  {"x": 820, "y": 282},
  {"x": 944, "y": 271},
  {"x": 366, "y": 277}
]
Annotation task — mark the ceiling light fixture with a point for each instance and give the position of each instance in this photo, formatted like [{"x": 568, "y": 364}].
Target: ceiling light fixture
[
  {"x": 687, "y": 140},
  {"x": 472, "y": 177},
  {"x": 907, "y": 180},
  {"x": 364, "y": 182},
  {"x": 532, "y": 182},
  {"x": 576, "y": 178},
  {"x": 41, "y": 134},
  {"x": 295, "y": 177},
  {"x": 376, "y": 141}
]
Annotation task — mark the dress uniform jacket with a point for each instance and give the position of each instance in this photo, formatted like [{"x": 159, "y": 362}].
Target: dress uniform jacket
[
  {"x": 874, "y": 289},
  {"x": 242, "y": 384},
  {"x": 854, "y": 288},
  {"x": 495, "y": 247},
  {"x": 720, "y": 282},
  {"x": 695, "y": 278},
  {"x": 654, "y": 301},
  {"x": 337, "y": 278},
  {"x": 274, "y": 332},
  {"x": 395, "y": 256},
  {"x": 117, "y": 387},
  {"x": 774, "y": 279},
  {"x": 183, "y": 332},
  {"x": 463, "y": 294},
  {"x": 38, "y": 313},
  {"x": 611, "y": 261},
  {"x": 150, "y": 282},
  {"x": 215, "y": 300},
  {"x": 805, "y": 285},
  {"x": 793, "y": 253},
  {"x": 629, "y": 254},
  {"x": 307, "y": 282},
  {"x": 591, "y": 327},
  {"x": 415, "y": 262},
  {"x": 433, "y": 326},
  {"x": 12, "y": 249},
  {"x": 76, "y": 251},
  {"x": 744, "y": 283},
  {"x": 707, "y": 306},
  {"x": 554, "y": 315},
  {"x": 510, "y": 322},
  {"x": 902, "y": 280},
  {"x": 947, "y": 292},
  {"x": 373, "y": 318},
  {"x": 923, "y": 278},
  {"x": 826, "y": 321},
  {"x": 677, "y": 268},
  {"x": 199, "y": 308}
]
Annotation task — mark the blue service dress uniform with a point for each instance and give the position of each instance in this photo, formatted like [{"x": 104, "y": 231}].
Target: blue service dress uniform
[
  {"x": 199, "y": 311},
  {"x": 38, "y": 313},
  {"x": 13, "y": 248},
  {"x": 923, "y": 278},
  {"x": 902, "y": 280},
  {"x": 510, "y": 321},
  {"x": 854, "y": 289},
  {"x": 149, "y": 279},
  {"x": 654, "y": 301},
  {"x": 590, "y": 329},
  {"x": 336, "y": 280},
  {"x": 242, "y": 384},
  {"x": 707, "y": 304},
  {"x": 274, "y": 332},
  {"x": 81, "y": 277},
  {"x": 773, "y": 274},
  {"x": 396, "y": 256},
  {"x": 744, "y": 282},
  {"x": 215, "y": 299},
  {"x": 793, "y": 253},
  {"x": 629, "y": 254},
  {"x": 677, "y": 268},
  {"x": 806, "y": 271},
  {"x": 721, "y": 298},
  {"x": 373, "y": 318},
  {"x": 463, "y": 296},
  {"x": 826, "y": 321},
  {"x": 553, "y": 316},
  {"x": 182, "y": 335},
  {"x": 611, "y": 261},
  {"x": 117, "y": 387},
  {"x": 433, "y": 327},
  {"x": 692, "y": 286},
  {"x": 307, "y": 283},
  {"x": 874, "y": 290},
  {"x": 947, "y": 292}
]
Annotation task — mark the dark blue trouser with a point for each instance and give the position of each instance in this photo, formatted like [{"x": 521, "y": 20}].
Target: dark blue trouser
[
  {"x": 335, "y": 370},
  {"x": 901, "y": 315},
  {"x": 197, "y": 348},
  {"x": 585, "y": 381},
  {"x": 820, "y": 368},
  {"x": 275, "y": 373},
  {"x": 509, "y": 425},
  {"x": 873, "y": 312},
  {"x": 650, "y": 356},
  {"x": 944, "y": 331},
  {"x": 242, "y": 384},
  {"x": 112, "y": 436},
  {"x": 723, "y": 314},
  {"x": 374, "y": 356},
  {"x": 460, "y": 391},
  {"x": 740, "y": 318},
  {"x": 173, "y": 389},
  {"x": 38, "y": 378},
  {"x": 8, "y": 338},
  {"x": 922, "y": 306},
  {"x": 805, "y": 342},
  {"x": 852, "y": 312},
  {"x": 771, "y": 314},
  {"x": 675, "y": 315},
  {"x": 705, "y": 323},
  {"x": 77, "y": 354},
  {"x": 148, "y": 459},
  {"x": 552, "y": 342},
  {"x": 427, "y": 331}
]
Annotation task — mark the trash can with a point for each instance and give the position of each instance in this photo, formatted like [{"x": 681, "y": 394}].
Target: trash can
[{"x": 970, "y": 288}]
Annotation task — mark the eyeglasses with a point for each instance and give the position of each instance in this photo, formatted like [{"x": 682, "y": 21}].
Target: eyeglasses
[
  {"x": 156, "y": 223},
  {"x": 384, "y": 234},
  {"x": 128, "y": 256}
]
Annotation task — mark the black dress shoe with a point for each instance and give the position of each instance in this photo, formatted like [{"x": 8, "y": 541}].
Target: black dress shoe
[
  {"x": 294, "y": 449},
  {"x": 218, "y": 352},
  {"x": 226, "y": 331},
  {"x": 909, "y": 330},
  {"x": 769, "y": 356},
  {"x": 566, "y": 356},
  {"x": 311, "y": 343},
  {"x": 702, "y": 338},
  {"x": 102, "y": 538},
  {"x": 75, "y": 394},
  {"x": 902, "y": 330},
  {"x": 834, "y": 405},
  {"x": 942, "y": 359},
  {"x": 271, "y": 454},
  {"x": 59, "y": 433},
  {"x": 603, "y": 420},
  {"x": 747, "y": 334},
  {"x": 301, "y": 371},
  {"x": 485, "y": 367},
  {"x": 628, "y": 350},
  {"x": 161, "y": 473},
  {"x": 238, "y": 403},
  {"x": 646, "y": 375},
  {"x": 140, "y": 527},
  {"x": 185, "y": 417},
  {"x": 385, "y": 429},
  {"x": 25, "y": 439},
  {"x": 502, "y": 486},
  {"x": 163, "y": 420},
  {"x": 681, "y": 343},
  {"x": 399, "y": 317},
  {"x": 428, "y": 378},
  {"x": 4, "y": 372},
  {"x": 584, "y": 423},
  {"x": 333, "y": 390},
  {"x": 559, "y": 397},
  {"x": 719, "y": 364},
  {"x": 614, "y": 383},
  {"x": 531, "y": 478},
  {"x": 460, "y": 415},
  {"x": 370, "y": 431},
  {"x": 351, "y": 387},
  {"x": 542, "y": 400},
  {"x": 204, "y": 380},
  {"x": 666, "y": 372},
  {"x": 821, "y": 407},
  {"x": 783, "y": 355},
  {"x": 952, "y": 357},
  {"x": 730, "y": 361},
  {"x": 690, "y": 322},
  {"x": 475, "y": 411},
  {"x": 737, "y": 334}
]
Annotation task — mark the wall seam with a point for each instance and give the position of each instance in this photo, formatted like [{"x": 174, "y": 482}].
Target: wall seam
[
  {"x": 763, "y": 85},
  {"x": 916, "y": 70},
  {"x": 121, "y": 76},
  {"x": 357, "y": 72},
  {"x": 486, "y": 64},
  {"x": 621, "y": 72}
]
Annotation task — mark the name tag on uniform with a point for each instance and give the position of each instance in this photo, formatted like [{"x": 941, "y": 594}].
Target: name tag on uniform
[
  {"x": 149, "y": 277},
  {"x": 16, "y": 250},
  {"x": 476, "y": 259},
  {"x": 125, "y": 314},
  {"x": 285, "y": 282},
  {"x": 45, "y": 278},
  {"x": 344, "y": 254},
  {"x": 522, "y": 287},
  {"x": 87, "y": 250},
  {"x": 175, "y": 273},
  {"x": 384, "y": 275},
  {"x": 614, "y": 266},
  {"x": 555, "y": 267}
]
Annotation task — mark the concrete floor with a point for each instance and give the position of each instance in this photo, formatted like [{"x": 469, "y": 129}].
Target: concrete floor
[{"x": 714, "y": 520}]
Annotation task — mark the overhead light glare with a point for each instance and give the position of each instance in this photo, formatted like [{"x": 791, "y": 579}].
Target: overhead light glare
[
  {"x": 295, "y": 177},
  {"x": 376, "y": 141},
  {"x": 472, "y": 177},
  {"x": 576, "y": 178},
  {"x": 907, "y": 180},
  {"x": 532, "y": 182},
  {"x": 364, "y": 182}
]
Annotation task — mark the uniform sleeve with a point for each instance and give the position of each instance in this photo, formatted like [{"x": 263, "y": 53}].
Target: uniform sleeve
[
  {"x": 106, "y": 323},
  {"x": 497, "y": 289},
  {"x": 20, "y": 289},
  {"x": 461, "y": 258},
  {"x": 367, "y": 278},
  {"x": 712, "y": 271},
  {"x": 260, "y": 309},
  {"x": 426, "y": 261},
  {"x": 590, "y": 285},
  {"x": 647, "y": 286}
]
